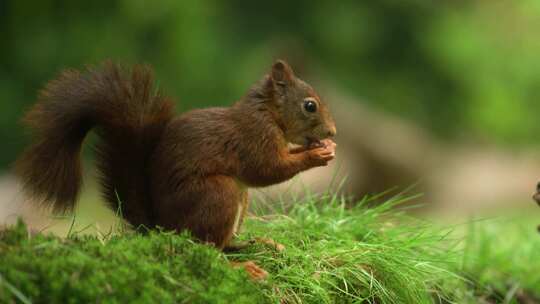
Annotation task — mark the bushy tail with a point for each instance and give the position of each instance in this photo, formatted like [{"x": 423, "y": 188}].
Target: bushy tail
[{"x": 129, "y": 118}]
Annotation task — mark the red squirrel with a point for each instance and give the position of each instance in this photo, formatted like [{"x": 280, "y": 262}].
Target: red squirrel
[
  {"x": 189, "y": 171},
  {"x": 536, "y": 195}
]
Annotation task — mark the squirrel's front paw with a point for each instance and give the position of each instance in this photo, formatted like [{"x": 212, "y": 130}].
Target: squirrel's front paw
[{"x": 321, "y": 156}]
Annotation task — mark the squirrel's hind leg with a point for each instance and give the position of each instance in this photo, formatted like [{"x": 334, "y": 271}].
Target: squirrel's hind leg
[
  {"x": 207, "y": 207},
  {"x": 212, "y": 209}
]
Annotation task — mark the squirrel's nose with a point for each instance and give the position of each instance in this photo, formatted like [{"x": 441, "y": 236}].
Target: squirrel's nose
[{"x": 331, "y": 131}]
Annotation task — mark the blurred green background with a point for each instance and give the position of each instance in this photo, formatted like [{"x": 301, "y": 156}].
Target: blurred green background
[
  {"x": 461, "y": 69},
  {"x": 466, "y": 72}
]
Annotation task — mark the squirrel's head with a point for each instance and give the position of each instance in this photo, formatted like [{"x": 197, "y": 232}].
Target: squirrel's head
[{"x": 303, "y": 116}]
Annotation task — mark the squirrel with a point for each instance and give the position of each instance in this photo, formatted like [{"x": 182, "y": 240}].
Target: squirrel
[
  {"x": 186, "y": 172},
  {"x": 536, "y": 195}
]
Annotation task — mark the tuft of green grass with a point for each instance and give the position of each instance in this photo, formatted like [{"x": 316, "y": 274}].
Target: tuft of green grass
[
  {"x": 502, "y": 258},
  {"x": 334, "y": 253}
]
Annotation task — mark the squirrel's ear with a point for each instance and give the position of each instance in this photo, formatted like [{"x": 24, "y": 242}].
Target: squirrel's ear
[{"x": 282, "y": 74}]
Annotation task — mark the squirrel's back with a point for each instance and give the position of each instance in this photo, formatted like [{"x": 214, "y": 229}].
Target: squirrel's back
[{"x": 129, "y": 117}]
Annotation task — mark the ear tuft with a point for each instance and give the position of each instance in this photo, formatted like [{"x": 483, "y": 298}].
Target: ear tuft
[{"x": 282, "y": 73}]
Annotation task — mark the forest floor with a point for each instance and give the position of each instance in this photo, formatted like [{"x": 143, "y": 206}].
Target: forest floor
[{"x": 333, "y": 253}]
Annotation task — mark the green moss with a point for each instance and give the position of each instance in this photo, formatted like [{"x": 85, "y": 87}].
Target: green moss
[{"x": 156, "y": 268}]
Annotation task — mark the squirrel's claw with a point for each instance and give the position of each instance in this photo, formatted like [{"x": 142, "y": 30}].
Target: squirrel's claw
[{"x": 255, "y": 272}]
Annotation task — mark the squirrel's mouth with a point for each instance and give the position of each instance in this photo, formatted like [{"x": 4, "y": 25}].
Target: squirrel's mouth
[{"x": 312, "y": 142}]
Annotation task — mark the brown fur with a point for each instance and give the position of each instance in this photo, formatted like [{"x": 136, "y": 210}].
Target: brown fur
[{"x": 188, "y": 172}]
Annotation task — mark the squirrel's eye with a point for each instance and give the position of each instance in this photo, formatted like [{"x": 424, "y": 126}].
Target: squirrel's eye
[{"x": 310, "y": 106}]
